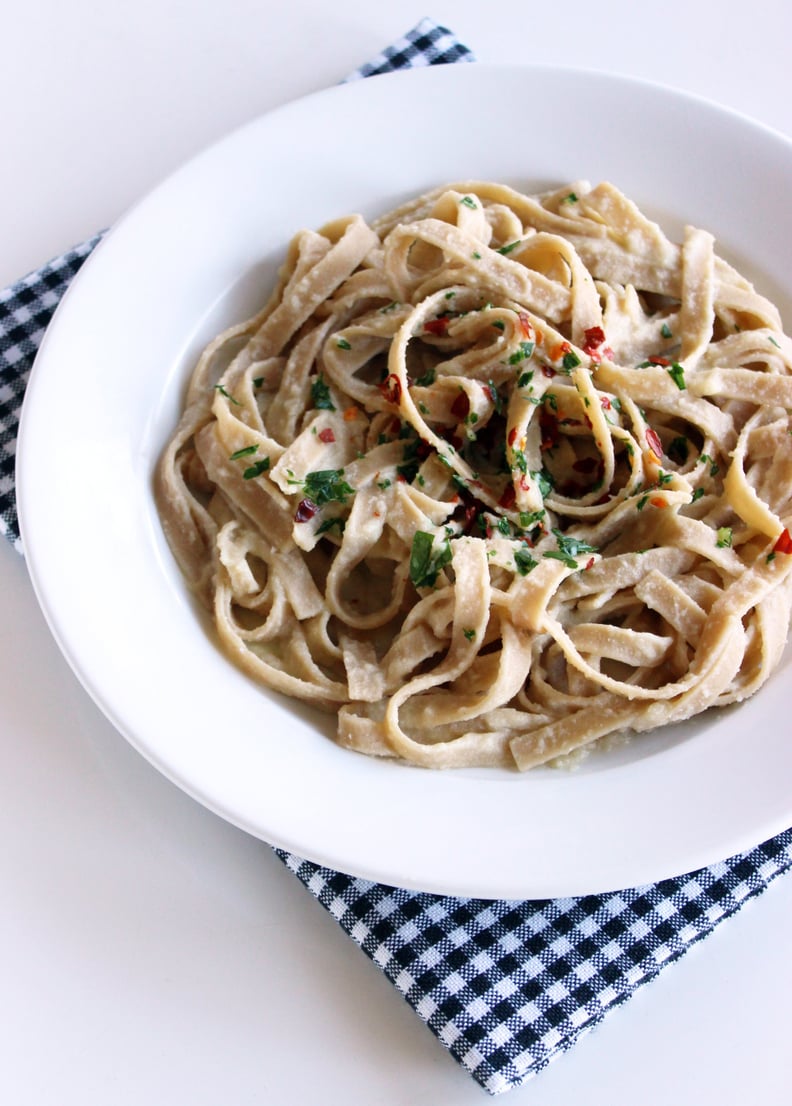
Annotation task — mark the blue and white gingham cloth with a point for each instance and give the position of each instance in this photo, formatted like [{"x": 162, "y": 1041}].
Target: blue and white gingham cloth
[{"x": 504, "y": 986}]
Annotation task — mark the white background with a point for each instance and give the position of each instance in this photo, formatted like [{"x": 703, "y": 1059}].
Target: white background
[{"x": 150, "y": 953}]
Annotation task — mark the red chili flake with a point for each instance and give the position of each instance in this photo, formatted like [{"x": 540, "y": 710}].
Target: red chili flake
[
  {"x": 659, "y": 361},
  {"x": 605, "y": 403},
  {"x": 350, "y": 414},
  {"x": 512, "y": 436},
  {"x": 460, "y": 408},
  {"x": 658, "y": 501},
  {"x": 549, "y": 427},
  {"x": 508, "y": 497},
  {"x": 395, "y": 426},
  {"x": 594, "y": 336},
  {"x": 471, "y": 513},
  {"x": 548, "y": 370},
  {"x": 590, "y": 563},
  {"x": 557, "y": 352},
  {"x": 436, "y": 326},
  {"x": 525, "y": 324},
  {"x": 391, "y": 388},
  {"x": 306, "y": 509},
  {"x": 784, "y": 542},
  {"x": 525, "y": 483},
  {"x": 327, "y": 436},
  {"x": 422, "y": 449},
  {"x": 654, "y": 443}
]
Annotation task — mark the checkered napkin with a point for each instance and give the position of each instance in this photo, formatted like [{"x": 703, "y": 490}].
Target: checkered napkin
[{"x": 505, "y": 986}]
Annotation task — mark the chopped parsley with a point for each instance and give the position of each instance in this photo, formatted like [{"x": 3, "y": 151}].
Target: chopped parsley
[
  {"x": 510, "y": 246},
  {"x": 545, "y": 482},
  {"x": 425, "y": 563},
  {"x": 326, "y": 486},
  {"x": 468, "y": 201},
  {"x": 256, "y": 469},
  {"x": 677, "y": 374},
  {"x": 570, "y": 361},
  {"x": 524, "y": 562},
  {"x": 427, "y": 378},
  {"x": 320, "y": 395},
  {"x": 342, "y": 343},
  {"x": 530, "y": 518},
  {"x": 219, "y": 388},
  {"x": 568, "y": 548},
  {"x": 246, "y": 452},
  {"x": 678, "y": 449},
  {"x": 332, "y": 523},
  {"x": 469, "y": 634},
  {"x": 724, "y": 540},
  {"x": 665, "y": 330},
  {"x": 521, "y": 354},
  {"x": 408, "y": 469},
  {"x": 495, "y": 396}
]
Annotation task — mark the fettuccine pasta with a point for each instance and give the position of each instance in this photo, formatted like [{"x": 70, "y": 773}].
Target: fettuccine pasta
[{"x": 493, "y": 477}]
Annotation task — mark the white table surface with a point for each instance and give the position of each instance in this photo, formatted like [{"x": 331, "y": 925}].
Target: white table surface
[{"x": 149, "y": 952}]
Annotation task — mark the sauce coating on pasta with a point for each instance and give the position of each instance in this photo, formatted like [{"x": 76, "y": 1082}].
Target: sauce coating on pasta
[{"x": 493, "y": 477}]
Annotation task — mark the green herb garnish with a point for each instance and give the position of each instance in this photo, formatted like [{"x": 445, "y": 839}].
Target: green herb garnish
[
  {"x": 678, "y": 449},
  {"x": 256, "y": 469},
  {"x": 521, "y": 354},
  {"x": 568, "y": 549},
  {"x": 332, "y": 523},
  {"x": 246, "y": 452},
  {"x": 320, "y": 395},
  {"x": 677, "y": 374},
  {"x": 425, "y": 563},
  {"x": 545, "y": 482},
  {"x": 427, "y": 378},
  {"x": 524, "y": 562},
  {"x": 219, "y": 388},
  {"x": 326, "y": 486}
]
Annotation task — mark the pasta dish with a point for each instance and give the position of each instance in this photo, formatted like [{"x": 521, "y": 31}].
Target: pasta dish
[{"x": 494, "y": 476}]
